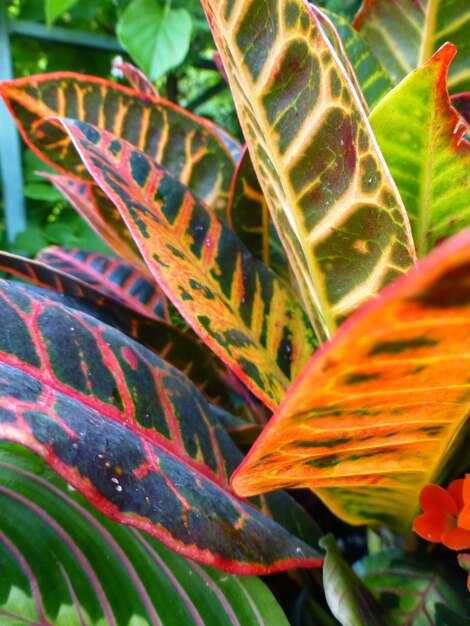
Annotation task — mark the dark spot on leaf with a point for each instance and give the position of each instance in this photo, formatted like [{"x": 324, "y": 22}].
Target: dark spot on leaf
[
  {"x": 397, "y": 346},
  {"x": 360, "y": 377}
]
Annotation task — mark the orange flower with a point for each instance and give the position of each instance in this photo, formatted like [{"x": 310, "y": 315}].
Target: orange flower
[{"x": 438, "y": 523}]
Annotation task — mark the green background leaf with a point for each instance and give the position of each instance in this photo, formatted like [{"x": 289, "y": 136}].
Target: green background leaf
[
  {"x": 55, "y": 8},
  {"x": 61, "y": 557},
  {"x": 156, "y": 37}
]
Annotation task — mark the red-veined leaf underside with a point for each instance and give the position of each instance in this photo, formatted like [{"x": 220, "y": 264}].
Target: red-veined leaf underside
[
  {"x": 180, "y": 141},
  {"x": 375, "y": 413},
  {"x": 242, "y": 310},
  {"x": 330, "y": 194},
  {"x": 130, "y": 433}
]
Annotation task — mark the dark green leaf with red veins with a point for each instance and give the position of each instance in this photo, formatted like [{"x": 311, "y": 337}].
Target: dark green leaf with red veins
[
  {"x": 461, "y": 102},
  {"x": 375, "y": 415},
  {"x": 373, "y": 79},
  {"x": 111, "y": 276},
  {"x": 132, "y": 434},
  {"x": 248, "y": 216},
  {"x": 412, "y": 587},
  {"x": 101, "y": 214},
  {"x": 180, "y": 141},
  {"x": 242, "y": 310},
  {"x": 65, "y": 564},
  {"x": 404, "y": 34},
  {"x": 137, "y": 79},
  {"x": 334, "y": 204},
  {"x": 182, "y": 349},
  {"x": 350, "y": 601}
]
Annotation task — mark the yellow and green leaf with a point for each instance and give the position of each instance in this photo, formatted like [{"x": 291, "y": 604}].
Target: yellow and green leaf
[
  {"x": 404, "y": 34},
  {"x": 422, "y": 139},
  {"x": 242, "y": 310},
  {"x": 331, "y": 197},
  {"x": 180, "y": 141},
  {"x": 374, "y": 415}
]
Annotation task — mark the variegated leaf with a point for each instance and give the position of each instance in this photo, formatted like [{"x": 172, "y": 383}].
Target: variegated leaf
[
  {"x": 404, "y": 34},
  {"x": 181, "y": 349},
  {"x": 241, "y": 309},
  {"x": 332, "y": 199},
  {"x": 131, "y": 434},
  {"x": 111, "y": 276},
  {"x": 248, "y": 216},
  {"x": 375, "y": 414},
  {"x": 427, "y": 152},
  {"x": 180, "y": 141},
  {"x": 101, "y": 214}
]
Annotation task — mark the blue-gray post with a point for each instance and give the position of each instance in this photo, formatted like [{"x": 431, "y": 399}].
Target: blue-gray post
[{"x": 10, "y": 153}]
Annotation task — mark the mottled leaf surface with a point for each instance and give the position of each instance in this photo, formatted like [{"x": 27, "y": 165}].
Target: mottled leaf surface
[
  {"x": 330, "y": 194},
  {"x": 178, "y": 140},
  {"x": 241, "y": 309},
  {"x": 411, "y": 588},
  {"x": 349, "y": 599},
  {"x": 130, "y": 433},
  {"x": 67, "y": 564},
  {"x": 249, "y": 217},
  {"x": 373, "y": 78},
  {"x": 405, "y": 34},
  {"x": 427, "y": 152},
  {"x": 374, "y": 414},
  {"x": 111, "y": 276}
]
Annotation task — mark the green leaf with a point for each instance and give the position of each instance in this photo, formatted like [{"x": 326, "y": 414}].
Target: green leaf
[
  {"x": 405, "y": 34},
  {"x": 55, "y": 8},
  {"x": 373, "y": 79},
  {"x": 132, "y": 434},
  {"x": 331, "y": 197},
  {"x": 67, "y": 564},
  {"x": 349, "y": 599},
  {"x": 375, "y": 415},
  {"x": 242, "y": 310},
  {"x": 156, "y": 37},
  {"x": 410, "y": 588},
  {"x": 427, "y": 153}
]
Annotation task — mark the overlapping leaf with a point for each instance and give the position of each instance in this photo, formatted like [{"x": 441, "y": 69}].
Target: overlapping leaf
[
  {"x": 101, "y": 214},
  {"x": 137, "y": 79},
  {"x": 132, "y": 434},
  {"x": 374, "y": 415},
  {"x": 461, "y": 101},
  {"x": 181, "y": 349},
  {"x": 111, "y": 276},
  {"x": 248, "y": 216},
  {"x": 63, "y": 563},
  {"x": 427, "y": 152},
  {"x": 406, "y": 33},
  {"x": 178, "y": 140},
  {"x": 242, "y": 310},
  {"x": 331, "y": 197},
  {"x": 373, "y": 79}
]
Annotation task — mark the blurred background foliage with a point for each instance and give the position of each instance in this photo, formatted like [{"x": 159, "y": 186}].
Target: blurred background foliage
[{"x": 168, "y": 39}]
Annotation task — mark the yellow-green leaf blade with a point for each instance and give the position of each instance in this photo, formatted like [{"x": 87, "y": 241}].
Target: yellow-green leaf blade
[
  {"x": 373, "y": 415},
  {"x": 422, "y": 138},
  {"x": 406, "y": 33},
  {"x": 327, "y": 187},
  {"x": 242, "y": 310}
]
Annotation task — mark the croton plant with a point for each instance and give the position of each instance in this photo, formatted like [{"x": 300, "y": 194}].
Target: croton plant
[{"x": 319, "y": 273}]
